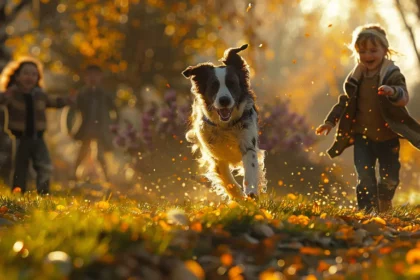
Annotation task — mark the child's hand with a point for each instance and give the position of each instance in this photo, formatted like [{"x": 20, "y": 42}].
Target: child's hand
[
  {"x": 386, "y": 90},
  {"x": 323, "y": 128}
]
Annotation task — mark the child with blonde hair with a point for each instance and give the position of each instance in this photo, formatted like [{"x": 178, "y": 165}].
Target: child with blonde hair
[
  {"x": 26, "y": 103},
  {"x": 371, "y": 115}
]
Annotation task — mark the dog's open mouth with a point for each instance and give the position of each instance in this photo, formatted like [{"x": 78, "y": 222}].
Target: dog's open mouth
[{"x": 225, "y": 114}]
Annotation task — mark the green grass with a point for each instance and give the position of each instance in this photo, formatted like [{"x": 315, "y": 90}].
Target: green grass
[{"x": 248, "y": 240}]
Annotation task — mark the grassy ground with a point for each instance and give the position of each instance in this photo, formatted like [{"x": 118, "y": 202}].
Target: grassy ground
[{"x": 72, "y": 237}]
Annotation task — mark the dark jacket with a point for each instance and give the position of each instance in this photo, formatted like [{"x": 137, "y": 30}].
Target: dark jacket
[
  {"x": 94, "y": 108},
  {"x": 16, "y": 108},
  {"x": 392, "y": 108}
]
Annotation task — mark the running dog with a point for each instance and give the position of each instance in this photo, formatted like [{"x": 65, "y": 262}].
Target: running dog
[{"x": 224, "y": 126}]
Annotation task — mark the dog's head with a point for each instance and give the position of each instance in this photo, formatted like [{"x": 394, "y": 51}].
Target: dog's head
[{"x": 224, "y": 89}]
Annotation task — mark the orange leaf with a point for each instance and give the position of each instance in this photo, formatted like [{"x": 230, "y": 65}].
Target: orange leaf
[
  {"x": 3, "y": 209},
  {"x": 196, "y": 227},
  {"x": 235, "y": 273},
  {"x": 271, "y": 275},
  {"x": 399, "y": 268},
  {"x": 413, "y": 256},
  {"x": 311, "y": 251},
  {"x": 195, "y": 268},
  {"x": 323, "y": 266},
  {"x": 226, "y": 259},
  {"x": 385, "y": 250},
  {"x": 17, "y": 190},
  {"x": 102, "y": 205},
  {"x": 233, "y": 204},
  {"x": 259, "y": 217}
]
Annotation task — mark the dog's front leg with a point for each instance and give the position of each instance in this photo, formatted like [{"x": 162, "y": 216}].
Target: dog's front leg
[
  {"x": 233, "y": 189},
  {"x": 249, "y": 150}
]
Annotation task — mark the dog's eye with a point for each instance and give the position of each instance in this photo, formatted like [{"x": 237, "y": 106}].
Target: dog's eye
[
  {"x": 230, "y": 83},
  {"x": 215, "y": 85}
]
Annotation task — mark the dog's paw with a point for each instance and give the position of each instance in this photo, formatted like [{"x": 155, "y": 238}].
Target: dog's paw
[
  {"x": 191, "y": 137},
  {"x": 249, "y": 188},
  {"x": 238, "y": 199},
  {"x": 252, "y": 196}
]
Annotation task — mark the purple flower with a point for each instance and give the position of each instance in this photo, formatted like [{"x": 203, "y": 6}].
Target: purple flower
[
  {"x": 120, "y": 141},
  {"x": 166, "y": 113},
  {"x": 170, "y": 95},
  {"x": 114, "y": 128}
]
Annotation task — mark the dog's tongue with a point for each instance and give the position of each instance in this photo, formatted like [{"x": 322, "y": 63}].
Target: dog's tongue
[{"x": 224, "y": 113}]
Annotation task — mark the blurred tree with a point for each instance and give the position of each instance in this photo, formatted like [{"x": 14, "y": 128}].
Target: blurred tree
[
  {"x": 407, "y": 9},
  {"x": 410, "y": 15},
  {"x": 9, "y": 10},
  {"x": 139, "y": 42}
]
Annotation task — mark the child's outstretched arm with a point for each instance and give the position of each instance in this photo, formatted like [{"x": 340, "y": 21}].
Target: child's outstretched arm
[
  {"x": 395, "y": 89},
  {"x": 334, "y": 115},
  {"x": 59, "y": 102}
]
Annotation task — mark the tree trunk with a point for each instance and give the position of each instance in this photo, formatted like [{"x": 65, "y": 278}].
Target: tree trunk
[
  {"x": 5, "y": 56},
  {"x": 408, "y": 27}
]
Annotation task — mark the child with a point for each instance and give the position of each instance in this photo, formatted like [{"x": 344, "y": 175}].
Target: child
[
  {"x": 26, "y": 103},
  {"x": 98, "y": 112},
  {"x": 372, "y": 116}
]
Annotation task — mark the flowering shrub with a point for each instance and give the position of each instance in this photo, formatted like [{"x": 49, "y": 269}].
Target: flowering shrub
[{"x": 281, "y": 129}]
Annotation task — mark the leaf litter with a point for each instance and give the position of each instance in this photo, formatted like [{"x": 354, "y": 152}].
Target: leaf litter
[{"x": 281, "y": 238}]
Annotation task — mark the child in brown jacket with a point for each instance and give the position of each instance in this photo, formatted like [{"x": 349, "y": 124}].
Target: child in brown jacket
[
  {"x": 26, "y": 103},
  {"x": 371, "y": 115}
]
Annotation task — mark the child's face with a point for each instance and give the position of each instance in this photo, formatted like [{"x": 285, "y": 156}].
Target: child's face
[
  {"x": 93, "y": 78},
  {"x": 28, "y": 77},
  {"x": 371, "y": 55}
]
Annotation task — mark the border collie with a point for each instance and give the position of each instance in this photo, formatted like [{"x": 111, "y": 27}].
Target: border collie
[{"x": 224, "y": 126}]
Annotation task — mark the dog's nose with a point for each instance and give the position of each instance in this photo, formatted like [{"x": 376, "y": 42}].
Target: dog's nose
[{"x": 224, "y": 101}]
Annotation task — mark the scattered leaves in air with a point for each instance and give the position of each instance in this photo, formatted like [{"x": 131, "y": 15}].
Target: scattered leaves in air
[{"x": 249, "y": 7}]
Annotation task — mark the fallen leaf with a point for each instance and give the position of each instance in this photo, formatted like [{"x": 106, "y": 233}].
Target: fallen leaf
[{"x": 413, "y": 256}]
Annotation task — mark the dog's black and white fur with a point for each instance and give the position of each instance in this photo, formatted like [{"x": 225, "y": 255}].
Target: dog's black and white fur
[{"x": 224, "y": 125}]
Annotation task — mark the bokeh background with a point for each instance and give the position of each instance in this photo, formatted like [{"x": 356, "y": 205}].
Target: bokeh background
[{"x": 298, "y": 56}]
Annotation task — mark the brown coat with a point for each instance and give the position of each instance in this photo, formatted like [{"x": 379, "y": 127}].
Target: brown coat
[
  {"x": 392, "y": 108},
  {"x": 16, "y": 107}
]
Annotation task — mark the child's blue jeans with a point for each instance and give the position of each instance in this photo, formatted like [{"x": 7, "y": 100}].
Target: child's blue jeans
[{"x": 369, "y": 188}]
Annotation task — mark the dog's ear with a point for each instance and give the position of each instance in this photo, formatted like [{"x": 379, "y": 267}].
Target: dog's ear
[
  {"x": 198, "y": 76},
  {"x": 231, "y": 57},
  {"x": 198, "y": 70},
  {"x": 188, "y": 72}
]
